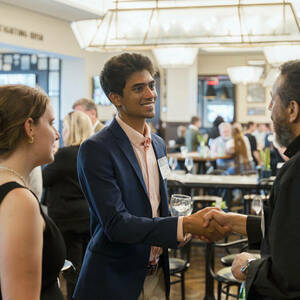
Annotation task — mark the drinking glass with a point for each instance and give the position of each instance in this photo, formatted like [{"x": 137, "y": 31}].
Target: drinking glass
[
  {"x": 183, "y": 150},
  {"x": 181, "y": 205},
  {"x": 173, "y": 163},
  {"x": 189, "y": 164},
  {"x": 257, "y": 204}
]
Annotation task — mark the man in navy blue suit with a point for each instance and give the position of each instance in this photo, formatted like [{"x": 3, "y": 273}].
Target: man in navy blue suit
[{"x": 122, "y": 172}]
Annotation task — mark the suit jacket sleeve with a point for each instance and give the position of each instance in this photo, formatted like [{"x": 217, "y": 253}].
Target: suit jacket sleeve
[
  {"x": 100, "y": 186},
  {"x": 276, "y": 275},
  {"x": 254, "y": 232}
]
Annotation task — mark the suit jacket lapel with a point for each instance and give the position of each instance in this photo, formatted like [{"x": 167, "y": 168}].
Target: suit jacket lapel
[
  {"x": 128, "y": 151},
  {"x": 159, "y": 152}
]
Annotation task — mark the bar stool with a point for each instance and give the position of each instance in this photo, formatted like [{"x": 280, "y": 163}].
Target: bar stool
[
  {"x": 224, "y": 276},
  {"x": 179, "y": 265}
]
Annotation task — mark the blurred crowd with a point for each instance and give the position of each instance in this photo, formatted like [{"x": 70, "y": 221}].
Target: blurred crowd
[{"x": 238, "y": 148}]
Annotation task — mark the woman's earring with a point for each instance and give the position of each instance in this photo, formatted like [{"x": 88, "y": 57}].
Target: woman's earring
[{"x": 31, "y": 140}]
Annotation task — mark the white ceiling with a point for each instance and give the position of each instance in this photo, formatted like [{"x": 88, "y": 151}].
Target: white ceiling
[{"x": 53, "y": 9}]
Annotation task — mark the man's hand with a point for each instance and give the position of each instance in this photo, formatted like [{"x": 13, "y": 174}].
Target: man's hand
[
  {"x": 236, "y": 222},
  {"x": 218, "y": 215},
  {"x": 195, "y": 224},
  {"x": 240, "y": 260}
]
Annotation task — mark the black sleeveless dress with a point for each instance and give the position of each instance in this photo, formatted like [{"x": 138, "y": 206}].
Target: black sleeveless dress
[{"x": 54, "y": 252}]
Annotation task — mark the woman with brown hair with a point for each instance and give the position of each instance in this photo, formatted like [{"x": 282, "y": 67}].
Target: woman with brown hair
[
  {"x": 239, "y": 146},
  {"x": 64, "y": 198},
  {"x": 32, "y": 250}
]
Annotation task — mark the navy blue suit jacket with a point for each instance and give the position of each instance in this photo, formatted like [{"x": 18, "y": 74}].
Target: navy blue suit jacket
[{"x": 122, "y": 226}]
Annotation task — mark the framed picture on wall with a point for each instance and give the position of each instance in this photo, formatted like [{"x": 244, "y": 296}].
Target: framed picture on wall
[
  {"x": 98, "y": 93},
  {"x": 256, "y": 111},
  {"x": 255, "y": 93}
]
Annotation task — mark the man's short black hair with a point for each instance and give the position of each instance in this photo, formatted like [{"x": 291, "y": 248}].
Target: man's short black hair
[
  {"x": 290, "y": 87},
  {"x": 249, "y": 124},
  {"x": 195, "y": 119},
  {"x": 119, "y": 68},
  {"x": 218, "y": 120}
]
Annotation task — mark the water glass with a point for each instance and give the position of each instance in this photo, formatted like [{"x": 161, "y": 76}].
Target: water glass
[
  {"x": 173, "y": 163},
  {"x": 183, "y": 150},
  {"x": 257, "y": 204},
  {"x": 181, "y": 205},
  {"x": 189, "y": 164}
]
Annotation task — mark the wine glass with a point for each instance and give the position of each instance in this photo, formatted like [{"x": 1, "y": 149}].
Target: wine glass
[
  {"x": 189, "y": 164},
  {"x": 173, "y": 163},
  {"x": 257, "y": 204},
  {"x": 181, "y": 205},
  {"x": 183, "y": 150}
]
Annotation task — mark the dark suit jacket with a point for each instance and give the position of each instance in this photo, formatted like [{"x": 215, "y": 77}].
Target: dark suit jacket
[
  {"x": 123, "y": 229},
  {"x": 276, "y": 275},
  {"x": 63, "y": 196}
]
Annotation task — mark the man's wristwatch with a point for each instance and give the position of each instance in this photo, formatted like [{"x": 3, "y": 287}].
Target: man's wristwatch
[{"x": 245, "y": 267}]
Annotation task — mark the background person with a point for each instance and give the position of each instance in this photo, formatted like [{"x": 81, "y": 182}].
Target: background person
[
  {"x": 218, "y": 147},
  {"x": 180, "y": 140},
  {"x": 239, "y": 146},
  {"x": 192, "y": 135},
  {"x": 269, "y": 133},
  {"x": 276, "y": 153},
  {"x": 89, "y": 107},
  {"x": 250, "y": 128},
  {"x": 260, "y": 134},
  {"x": 66, "y": 203},
  {"x": 32, "y": 250},
  {"x": 214, "y": 131}
]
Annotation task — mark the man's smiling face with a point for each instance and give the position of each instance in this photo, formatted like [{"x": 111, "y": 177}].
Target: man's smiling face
[{"x": 139, "y": 96}]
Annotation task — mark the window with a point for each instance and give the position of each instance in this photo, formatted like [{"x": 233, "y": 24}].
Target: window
[{"x": 215, "y": 98}]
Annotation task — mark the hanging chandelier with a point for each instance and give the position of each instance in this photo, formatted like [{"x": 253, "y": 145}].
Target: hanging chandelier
[
  {"x": 175, "y": 57},
  {"x": 279, "y": 54},
  {"x": 245, "y": 74},
  {"x": 148, "y": 24},
  {"x": 190, "y": 24}
]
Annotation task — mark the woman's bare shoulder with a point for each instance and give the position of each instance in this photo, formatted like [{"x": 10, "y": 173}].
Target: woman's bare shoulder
[{"x": 19, "y": 201}]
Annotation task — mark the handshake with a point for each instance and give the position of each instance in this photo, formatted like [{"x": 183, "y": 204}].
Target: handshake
[{"x": 210, "y": 224}]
